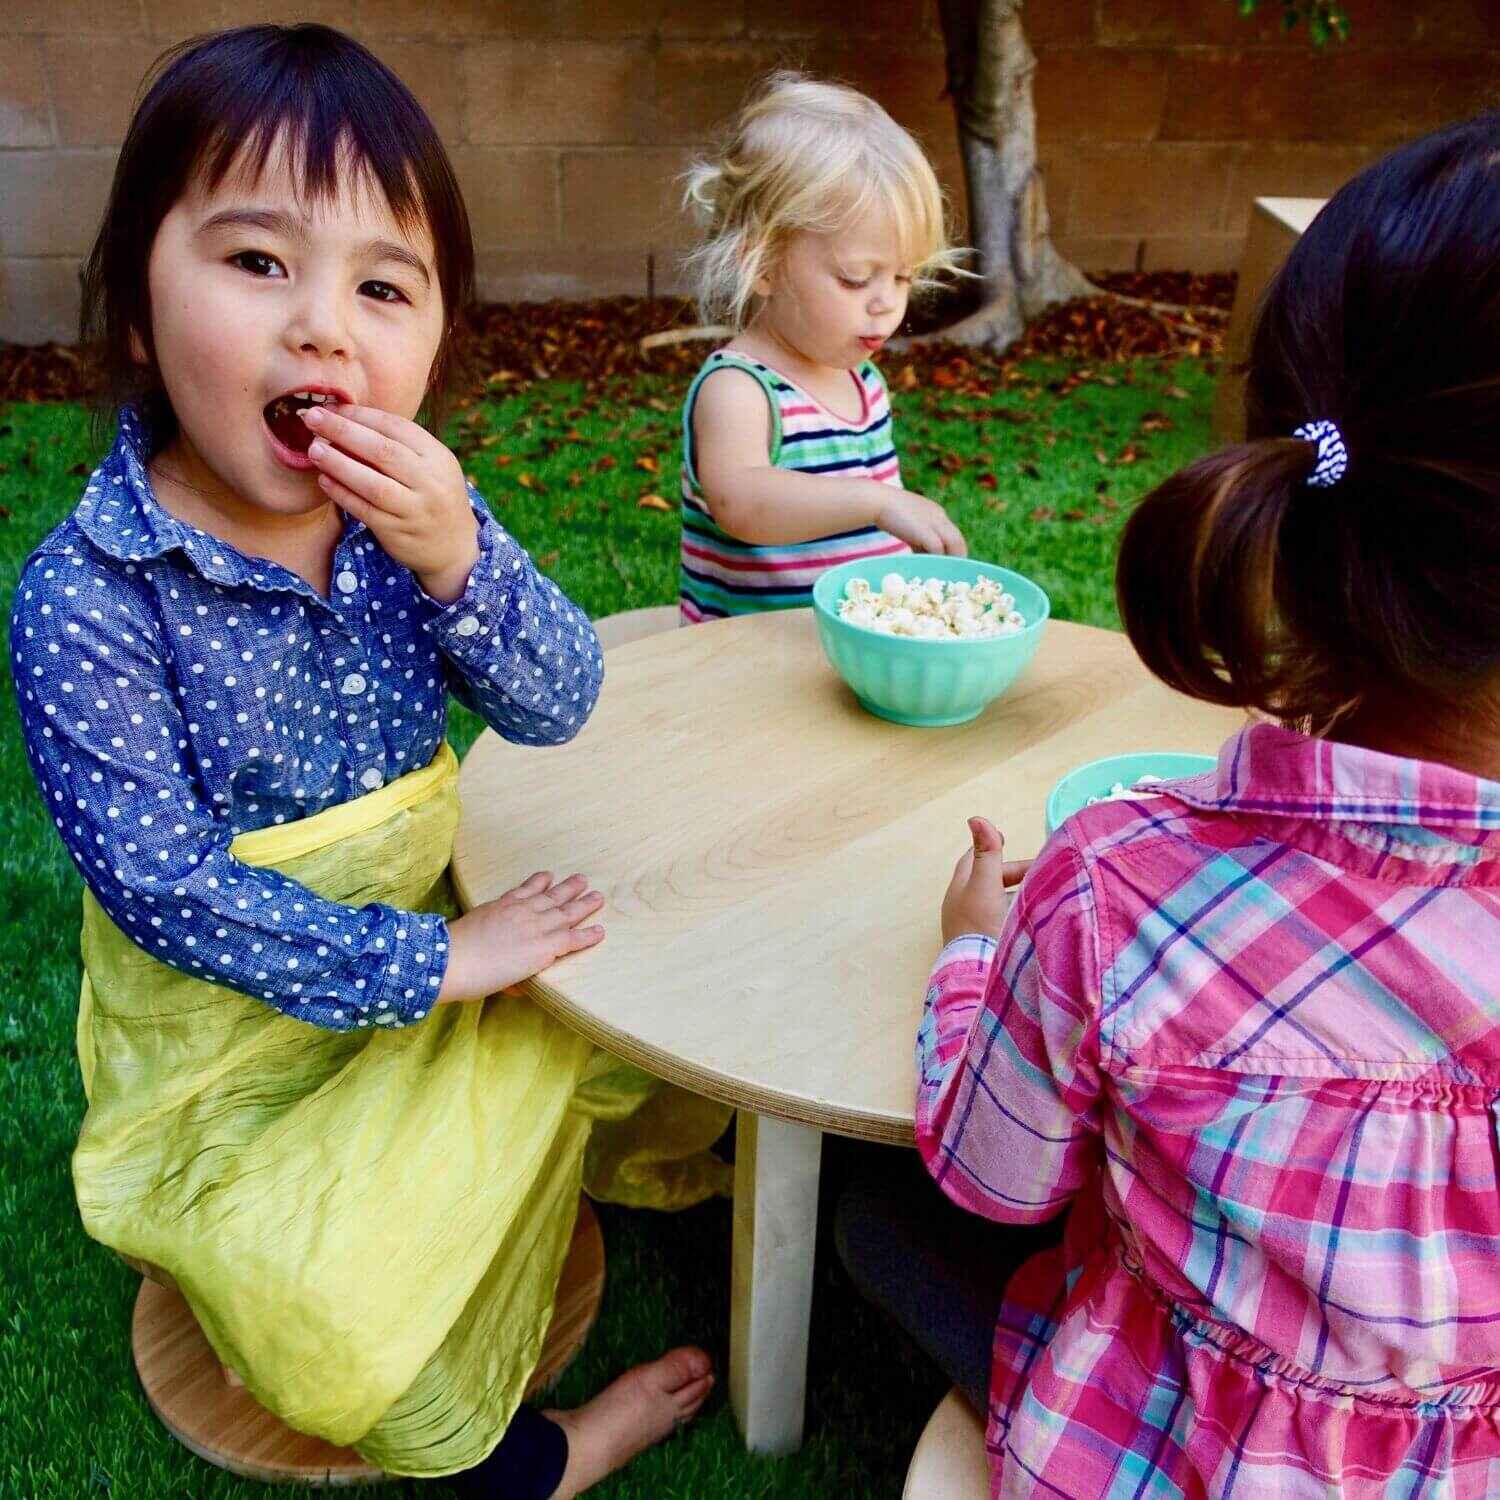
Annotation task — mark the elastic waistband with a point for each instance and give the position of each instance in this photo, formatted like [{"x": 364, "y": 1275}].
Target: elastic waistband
[
  {"x": 1227, "y": 1342},
  {"x": 274, "y": 845}
]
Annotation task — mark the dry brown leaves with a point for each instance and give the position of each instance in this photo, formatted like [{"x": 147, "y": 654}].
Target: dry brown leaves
[{"x": 508, "y": 346}]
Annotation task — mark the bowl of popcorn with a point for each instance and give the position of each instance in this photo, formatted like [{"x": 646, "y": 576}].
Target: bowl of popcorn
[
  {"x": 1119, "y": 778},
  {"x": 928, "y": 640}
]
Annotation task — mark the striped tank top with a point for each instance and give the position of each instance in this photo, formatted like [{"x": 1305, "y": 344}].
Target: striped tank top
[{"x": 722, "y": 575}]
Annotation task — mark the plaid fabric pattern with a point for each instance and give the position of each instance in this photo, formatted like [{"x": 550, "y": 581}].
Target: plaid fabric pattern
[
  {"x": 720, "y": 574},
  {"x": 1250, "y": 1030}
]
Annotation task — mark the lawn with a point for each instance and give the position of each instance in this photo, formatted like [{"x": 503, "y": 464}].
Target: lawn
[{"x": 1039, "y": 476}]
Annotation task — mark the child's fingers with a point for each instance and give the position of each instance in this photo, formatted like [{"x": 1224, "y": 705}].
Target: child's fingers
[
  {"x": 377, "y": 489},
  {"x": 1015, "y": 870},
  {"x": 538, "y": 880},
  {"x": 408, "y": 434},
  {"x": 364, "y": 441},
  {"x": 574, "y": 911},
  {"x": 565, "y": 890},
  {"x": 576, "y": 938},
  {"x": 346, "y": 499},
  {"x": 986, "y": 837}
]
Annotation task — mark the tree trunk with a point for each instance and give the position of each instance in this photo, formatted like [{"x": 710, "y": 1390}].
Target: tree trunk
[{"x": 990, "y": 68}]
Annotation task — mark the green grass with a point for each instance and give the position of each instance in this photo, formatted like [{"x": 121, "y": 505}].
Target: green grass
[{"x": 72, "y": 1419}]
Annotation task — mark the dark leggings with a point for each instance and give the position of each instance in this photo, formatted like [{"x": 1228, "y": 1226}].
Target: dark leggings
[
  {"x": 937, "y": 1270},
  {"x": 528, "y": 1464}
]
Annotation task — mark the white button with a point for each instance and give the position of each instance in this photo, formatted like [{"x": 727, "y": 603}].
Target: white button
[
  {"x": 347, "y": 582},
  {"x": 371, "y": 779},
  {"x": 354, "y": 683},
  {"x": 467, "y": 626}
]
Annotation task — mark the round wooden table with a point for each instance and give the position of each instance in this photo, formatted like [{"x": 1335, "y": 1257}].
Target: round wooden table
[{"x": 773, "y": 858}]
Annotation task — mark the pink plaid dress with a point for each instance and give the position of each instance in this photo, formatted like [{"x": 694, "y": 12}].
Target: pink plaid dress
[{"x": 1251, "y": 1032}]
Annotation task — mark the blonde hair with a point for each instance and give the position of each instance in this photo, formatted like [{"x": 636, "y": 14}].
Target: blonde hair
[{"x": 804, "y": 155}]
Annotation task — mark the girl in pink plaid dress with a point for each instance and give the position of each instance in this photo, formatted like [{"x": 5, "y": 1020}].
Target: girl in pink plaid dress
[{"x": 1247, "y": 1032}]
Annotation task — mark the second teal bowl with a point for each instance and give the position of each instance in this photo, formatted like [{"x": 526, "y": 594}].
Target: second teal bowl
[
  {"x": 1098, "y": 777},
  {"x": 926, "y": 683}
]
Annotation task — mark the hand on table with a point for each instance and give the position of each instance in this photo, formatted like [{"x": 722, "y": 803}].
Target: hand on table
[
  {"x": 978, "y": 897},
  {"x": 404, "y": 485},
  {"x": 921, "y": 523},
  {"x": 529, "y": 928}
]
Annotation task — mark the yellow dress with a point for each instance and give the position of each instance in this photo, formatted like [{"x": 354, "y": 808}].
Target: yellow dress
[{"x": 368, "y": 1225}]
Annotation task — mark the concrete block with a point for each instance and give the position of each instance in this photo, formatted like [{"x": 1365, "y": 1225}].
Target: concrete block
[
  {"x": 38, "y": 300},
  {"x": 559, "y": 93},
  {"x": 95, "y": 80},
  {"x": 511, "y": 194},
  {"x": 25, "y": 113},
  {"x": 54, "y": 200}
]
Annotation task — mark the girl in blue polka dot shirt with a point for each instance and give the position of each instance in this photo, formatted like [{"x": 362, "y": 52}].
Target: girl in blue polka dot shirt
[{"x": 257, "y": 611}]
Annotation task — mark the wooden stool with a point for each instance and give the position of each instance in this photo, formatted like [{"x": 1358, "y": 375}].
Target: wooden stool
[
  {"x": 950, "y": 1462},
  {"x": 207, "y": 1409},
  {"x": 632, "y": 624}
]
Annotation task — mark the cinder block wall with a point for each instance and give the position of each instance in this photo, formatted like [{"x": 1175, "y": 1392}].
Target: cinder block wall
[{"x": 569, "y": 119}]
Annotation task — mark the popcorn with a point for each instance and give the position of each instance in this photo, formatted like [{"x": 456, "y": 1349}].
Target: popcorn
[
  {"x": 932, "y": 609},
  {"x": 1119, "y": 792}
]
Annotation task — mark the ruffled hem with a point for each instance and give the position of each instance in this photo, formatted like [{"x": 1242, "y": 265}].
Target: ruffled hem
[{"x": 1125, "y": 1394}]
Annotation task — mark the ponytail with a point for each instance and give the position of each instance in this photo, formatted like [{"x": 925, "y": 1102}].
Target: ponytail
[
  {"x": 1303, "y": 579},
  {"x": 1198, "y": 574}
]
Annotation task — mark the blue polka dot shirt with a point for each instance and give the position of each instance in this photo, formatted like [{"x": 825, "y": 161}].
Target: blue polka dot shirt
[{"x": 174, "y": 692}]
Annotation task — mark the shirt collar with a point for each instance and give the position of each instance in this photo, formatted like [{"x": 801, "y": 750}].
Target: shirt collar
[
  {"x": 120, "y": 514},
  {"x": 1268, "y": 771}
]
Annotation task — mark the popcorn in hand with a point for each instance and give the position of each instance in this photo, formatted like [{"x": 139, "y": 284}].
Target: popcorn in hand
[{"x": 931, "y": 609}]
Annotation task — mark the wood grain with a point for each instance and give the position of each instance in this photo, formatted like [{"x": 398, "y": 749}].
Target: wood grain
[
  {"x": 773, "y": 857},
  {"x": 950, "y": 1462},
  {"x": 776, "y": 1166}
]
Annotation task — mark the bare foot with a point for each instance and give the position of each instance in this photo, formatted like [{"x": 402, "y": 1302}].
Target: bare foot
[{"x": 629, "y": 1415}]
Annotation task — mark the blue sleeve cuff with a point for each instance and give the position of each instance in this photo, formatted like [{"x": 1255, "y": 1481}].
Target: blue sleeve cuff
[
  {"x": 413, "y": 958},
  {"x": 465, "y": 629}
]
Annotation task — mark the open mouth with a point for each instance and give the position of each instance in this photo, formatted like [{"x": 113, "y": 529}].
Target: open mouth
[{"x": 283, "y": 417}]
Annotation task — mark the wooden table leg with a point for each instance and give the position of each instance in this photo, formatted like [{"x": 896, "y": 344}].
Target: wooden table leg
[{"x": 775, "y": 1227}]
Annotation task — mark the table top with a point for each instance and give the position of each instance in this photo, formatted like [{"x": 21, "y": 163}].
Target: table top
[{"x": 773, "y": 857}]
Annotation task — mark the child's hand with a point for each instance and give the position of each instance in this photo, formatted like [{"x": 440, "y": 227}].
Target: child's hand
[
  {"x": 405, "y": 486},
  {"x": 977, "y": 899},
  {"x": 519, "y": 934},
  {"x": 921, "y": 523}
]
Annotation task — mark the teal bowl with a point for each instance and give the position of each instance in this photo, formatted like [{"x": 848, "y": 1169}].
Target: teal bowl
[
  {"x": 927, "y": 683},
  {"x": 1098, "y": 777}
]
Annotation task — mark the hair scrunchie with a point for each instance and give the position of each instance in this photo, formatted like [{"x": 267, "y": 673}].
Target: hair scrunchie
[{"x": 1333, "y": 456}]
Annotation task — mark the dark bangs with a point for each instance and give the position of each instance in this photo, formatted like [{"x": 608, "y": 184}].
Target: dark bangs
[{"x": 225, "y": 101}]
